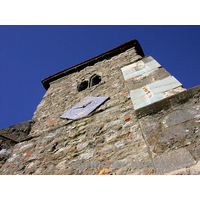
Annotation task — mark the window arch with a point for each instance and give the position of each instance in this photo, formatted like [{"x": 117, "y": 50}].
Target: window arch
[
  {"x": 82, "y": 86},
  {"x": 94, "y": 80}
]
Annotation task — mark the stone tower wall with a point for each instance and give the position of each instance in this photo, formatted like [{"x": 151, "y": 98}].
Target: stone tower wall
[{"x": 131, "y": 133}]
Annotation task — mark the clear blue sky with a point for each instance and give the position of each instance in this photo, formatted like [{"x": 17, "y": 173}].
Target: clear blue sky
[{"x": 29, "y": 54}]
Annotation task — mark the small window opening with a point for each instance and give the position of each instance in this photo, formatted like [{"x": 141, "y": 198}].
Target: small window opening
[
  {"x": 82, "y": 86},
  {"x": 94, "y": 80}
]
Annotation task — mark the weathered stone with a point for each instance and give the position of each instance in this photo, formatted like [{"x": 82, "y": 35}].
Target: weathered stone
[
  {"x": 88, "y": 154},
  {"x": 81, "y": 146},
  {"x": 147, "y": 78},
  {"x": 17, "y": 132},
  {"x": 61, "y": 165},
  {"x": 173, "y": 160},
  {"x": 190, "y": 96},
  {"x": 26, "y": 147},
  {"x": 193, "y": 170},
  {"x": 197, "y": 150},
  {"x": 107, "y": 148},
  {"x": 12, "y": 135},
  {"x": 114, "y": 138},
  {"x": 181, "y": 116},
  {"x": 163, "y": 135},
  {"x": 119, "y": 144},
  {"x": 178, "y": 136},
  {"x": 138, "y": 68},
  {"x": 5, "y": 153},
  {"x": 81, "y": 129}
]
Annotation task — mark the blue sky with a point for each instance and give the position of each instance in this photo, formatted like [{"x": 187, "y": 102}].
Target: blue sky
[{"x": 29, "y": 54}]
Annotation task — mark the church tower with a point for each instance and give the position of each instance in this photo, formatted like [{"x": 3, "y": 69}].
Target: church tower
[{"x": 117, "y": 113}]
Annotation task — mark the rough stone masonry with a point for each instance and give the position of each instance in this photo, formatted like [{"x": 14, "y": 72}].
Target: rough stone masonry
[{"x": 149, "y": 124}]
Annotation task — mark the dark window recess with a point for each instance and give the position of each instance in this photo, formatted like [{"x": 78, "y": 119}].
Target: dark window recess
[
  {"x": 94, "y": 80},
  {"x": 82, "y": 86}
]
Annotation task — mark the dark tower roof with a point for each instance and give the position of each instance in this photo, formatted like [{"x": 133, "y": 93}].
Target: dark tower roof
[{"x": 106, "y": 55}]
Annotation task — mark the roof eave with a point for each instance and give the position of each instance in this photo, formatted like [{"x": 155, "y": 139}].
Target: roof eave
[{"x": 106, "y": 55}]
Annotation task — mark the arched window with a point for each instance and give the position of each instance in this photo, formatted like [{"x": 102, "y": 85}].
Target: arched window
[
  {"x": 82, "y": 86},
  {"x": 94, "y": 80}
]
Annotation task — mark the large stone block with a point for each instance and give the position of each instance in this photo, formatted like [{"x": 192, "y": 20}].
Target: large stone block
[
  {"x": 173, "y": 160},
  {"x": 148, "y": 101},
  {"x": 18, "y": 132},
  {"x": 153, "y": 92},
  {"x": 177, "y": 101},
  {"x": 160, "y": 139},
  {"x": 147, "y": 78},
  {"x": 181, "y": 116},
  {"x": 139, "y": 68},
  {"x": 164, "y": 85}
]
